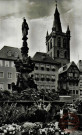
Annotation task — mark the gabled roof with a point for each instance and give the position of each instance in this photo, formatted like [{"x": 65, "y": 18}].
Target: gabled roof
[
  {"x": 66, "y": 67},
  {"x": 10, "y": 53},
  {"x": 43, "y": 57}
]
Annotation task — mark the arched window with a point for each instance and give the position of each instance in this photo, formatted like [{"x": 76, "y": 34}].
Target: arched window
[
  {"x": 59, "y": 41},
  {"x": 65, "y": 54},
  {"x": 57, "y": 53},
  {"x": 64, "y": 43}
]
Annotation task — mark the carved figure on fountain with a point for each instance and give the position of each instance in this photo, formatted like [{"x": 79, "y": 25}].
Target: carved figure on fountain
[{"x": 25, "y": 28}]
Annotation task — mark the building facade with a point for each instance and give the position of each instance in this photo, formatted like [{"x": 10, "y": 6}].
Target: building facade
[
  {"x": 68, "y": 80},
  {"x": 45, "y": 72},
  {"x": 58, "y": 42},
  {"x": 80, "y": 78},
  {"x": 7, "y": 67}
]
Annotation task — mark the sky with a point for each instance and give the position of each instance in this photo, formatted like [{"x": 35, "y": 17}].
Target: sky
[{"x": 39, "y": 15}]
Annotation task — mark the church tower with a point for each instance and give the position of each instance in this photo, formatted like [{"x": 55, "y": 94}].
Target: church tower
[{"x": 58, "y": 42}]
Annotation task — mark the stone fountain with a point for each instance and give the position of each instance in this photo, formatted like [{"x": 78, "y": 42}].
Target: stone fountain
[{"x": 24, "y": 65}]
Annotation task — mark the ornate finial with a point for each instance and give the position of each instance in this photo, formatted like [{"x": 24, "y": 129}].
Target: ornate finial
[
  {"x": 56, "y": 3},
  {"x": 68, "y": 30}
]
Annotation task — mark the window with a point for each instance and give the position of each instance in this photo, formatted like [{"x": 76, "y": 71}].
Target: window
[
  {"x": 65, "y": 54},
  {"x": 70, "y": 74},
  {"x": 73, "y": 91},
  {"x": 64, "y": 42},
  {"x": 53, "y": 78},
  {"x": 1, "y": 74},
  {"x": 42, "y": 78},
  {"x": 42, "y": 68},
  {"x": 59, "y": 41},
  {"x": 48, "y": 69},
  {"x": 9, "y": 75},
  {"x": 12, "y": 64},
  {"x": 76, "y": 91},
  {"x": 36, "y": 77},
  {"x": 9, "y": 86},
  {"x": 53, "y": 68},
  {"x": 47, "y": 78},
  {"x": 76, "y": 74},
  {"x": 1, "y": 86},
  {"x": 1, "y": 63},
  {"x": 36, "y": 67},
  {"x": 80, "y": 92},
  {"x": 6, "y": 63},
  {"x": 57, "y": 53}
]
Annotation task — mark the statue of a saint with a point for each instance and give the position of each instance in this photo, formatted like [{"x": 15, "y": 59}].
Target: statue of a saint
[{"x": 25, "y": 28}]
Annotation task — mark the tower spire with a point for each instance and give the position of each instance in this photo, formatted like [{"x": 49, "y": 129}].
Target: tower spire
[
  {"x": 68, "y": 30},
  {"x": 57, "y": 23},
  {"x": 47, "y": 33}
]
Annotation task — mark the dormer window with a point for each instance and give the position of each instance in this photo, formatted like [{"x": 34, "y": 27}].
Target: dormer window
[
  {"x": 9, "y": 53},
  {"x": 43, "y": 57},
  {"x": 16, "y": 54}
]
